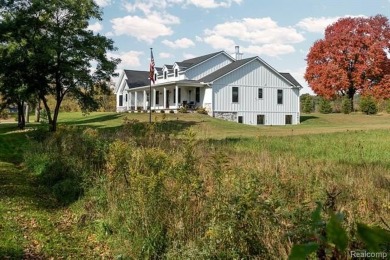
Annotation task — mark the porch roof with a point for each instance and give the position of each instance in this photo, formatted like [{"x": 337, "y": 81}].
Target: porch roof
[{"x": 179, "y": 83}]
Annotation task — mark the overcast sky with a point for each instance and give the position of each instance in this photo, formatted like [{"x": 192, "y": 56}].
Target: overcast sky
[{"x": 281, "y": 32}]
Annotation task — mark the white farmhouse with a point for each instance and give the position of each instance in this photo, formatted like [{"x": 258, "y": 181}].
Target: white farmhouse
[{"x": 246, "y": 91}]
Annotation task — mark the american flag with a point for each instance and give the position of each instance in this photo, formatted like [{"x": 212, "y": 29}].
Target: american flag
[{"x": 151, "y": 67}]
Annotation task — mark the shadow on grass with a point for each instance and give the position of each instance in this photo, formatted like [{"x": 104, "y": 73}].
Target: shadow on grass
[
  {"x": 17, "y": 184},
  {"x": 95, "y": 119},
  {"x": 12, "y": 253},
  {"x": 305, "y": 118},
  {"x": 12, "y": 143}
]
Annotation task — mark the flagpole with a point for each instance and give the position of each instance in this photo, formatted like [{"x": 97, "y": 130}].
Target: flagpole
[{"x": 150, "y": 92}]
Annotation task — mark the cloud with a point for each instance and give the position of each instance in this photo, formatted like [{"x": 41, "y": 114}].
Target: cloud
[
  {"x": 187, "y": 56},
  {"x": 143, "y": 29},
  {"x": 261, "y": 35},
  {"x": 219, "y": 42},
  {"x": 319, "y": 24},
  {"x": 95, "y": 27},
  {"x": 164, "y": 55},
  {"x": 182, "y": 43},
  {"x": 103, "y": 3},
  {"x": 129, "y": 59},
  {"x": 272, "y": 50},
  {"x": 150, "y": 21},
  {"x": 213, "y": 3}
]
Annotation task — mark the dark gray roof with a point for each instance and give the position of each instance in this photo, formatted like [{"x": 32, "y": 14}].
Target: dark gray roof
[
  {"x": 169, "y": 67},
  {"x": 136, "y": 78},
  {"x": 197, "y": 60},
  {"x": 158, "y": 69},
  {"x": 184, "y": 64},
  {"x": 290, "y": 78},
  {"x": 224, "y": 70}
]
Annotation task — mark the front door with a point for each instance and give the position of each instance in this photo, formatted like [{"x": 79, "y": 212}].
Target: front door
[{"x": 167, "y": 99}]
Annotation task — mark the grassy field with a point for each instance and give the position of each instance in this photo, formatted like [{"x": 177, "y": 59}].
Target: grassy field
[
  {"x": 272, "y": 175},
  {"x": 208, "y": 127}
]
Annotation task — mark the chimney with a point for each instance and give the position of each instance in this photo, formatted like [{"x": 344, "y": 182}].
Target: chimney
[{"x": 238, "y": 54}]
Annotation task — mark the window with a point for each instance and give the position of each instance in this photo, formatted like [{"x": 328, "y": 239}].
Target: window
[
  {"x": 165, "y": 75},
  {"x": 288, "y": 119},
  {"x": 157, "y": 97},
  {"x": 126, "y": 98},
  {"x": 260, "y": 119},
  {"x": 240, "y": 119},
  {"x": 260, "y": 93},
  {"x": 155, "y": 77},
  {"x": 120, "y": 100},
  {"x": 235, "y": 94},
  {"x": 280, "y": 96},
  {"x": 179, "y": 95},
  {"x": 176, "y": 72},
  {"x": 197, "y": 95}
]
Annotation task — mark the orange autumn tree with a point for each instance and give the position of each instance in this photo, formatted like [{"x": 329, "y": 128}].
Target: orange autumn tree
[{"x": 352, "y": 58}]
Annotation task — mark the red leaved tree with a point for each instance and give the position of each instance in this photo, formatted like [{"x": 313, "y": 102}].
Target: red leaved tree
[{"x": 352, "y": 58}]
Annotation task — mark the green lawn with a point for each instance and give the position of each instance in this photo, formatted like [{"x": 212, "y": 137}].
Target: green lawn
[{"x": 208, "y": 127}]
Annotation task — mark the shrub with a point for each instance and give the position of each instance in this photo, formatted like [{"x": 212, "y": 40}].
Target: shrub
[
  {"x": 325, "y": 106},
  {"x": 4, "y": 114},
  {"x": 346, "y": 105},
  {"x": 307, "y": 103},
  {"x": 183, "y": 109},
  {"x": 368, "y": 105},
  {"x": 388, "y": 106},
  {"x": 201, "y": 110}
]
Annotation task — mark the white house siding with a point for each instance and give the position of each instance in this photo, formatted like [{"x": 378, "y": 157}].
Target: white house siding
[
  {"x": 119, "y": 91},
  {"x": 207, "y": 67},
  {"x": 207, "y": 94},
  {"x": 249, "y": 79}
]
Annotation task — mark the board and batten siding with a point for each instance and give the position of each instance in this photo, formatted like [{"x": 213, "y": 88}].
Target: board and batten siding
[
  {"x": 207, "y": 67},
  {"x": 249, "y": 78}
]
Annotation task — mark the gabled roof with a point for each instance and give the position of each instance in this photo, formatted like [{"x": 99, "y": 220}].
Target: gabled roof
[
  {"x": 225, "y": 70},
  {"x": 238, "y": 63},
  {"x": 290, "y": 78},
  {"x": 158, "y": 69},
  {"x": 184, "y": 65},
  {"x": 136, "y": 78},
  {"x": 169, "y": 67},
  {"x": 196, "y": 60}
]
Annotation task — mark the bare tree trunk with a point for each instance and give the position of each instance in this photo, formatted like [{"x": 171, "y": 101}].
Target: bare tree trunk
[
  {"x": 27, "y": 113},
  {"x": 38, "y": 111},
  {"x": 21, "y": 118}
]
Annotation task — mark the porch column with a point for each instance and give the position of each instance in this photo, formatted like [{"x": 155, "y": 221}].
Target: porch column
[
  {"x": 165, "y": 98},
  {"x": 154, "y": 98},
  {"x": 177, "y": 96},
  {"x": 129, "y": 96},
  {"x": 145, "y": 106},
  {"x": 135, "y": 101}
]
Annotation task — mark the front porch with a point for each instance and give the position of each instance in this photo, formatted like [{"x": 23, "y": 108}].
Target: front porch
[{"x": 165, "y": 97}]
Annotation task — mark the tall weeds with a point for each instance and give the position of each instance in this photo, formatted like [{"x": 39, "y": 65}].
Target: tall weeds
[{"x": 180, "y": 198}]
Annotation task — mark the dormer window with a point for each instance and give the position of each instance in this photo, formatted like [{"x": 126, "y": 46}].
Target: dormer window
[
  {"x": 176, "y": 73},
  {"x": 155, "y": 77},
  {"x": 165, "y": 75}
]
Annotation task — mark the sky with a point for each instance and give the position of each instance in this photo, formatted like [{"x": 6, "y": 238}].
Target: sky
[{"x": 280, "y": 32}]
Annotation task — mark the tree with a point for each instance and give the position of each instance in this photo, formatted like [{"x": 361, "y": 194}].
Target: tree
[
  {"x": 60, "y": 50},
  {"x": 346, "y": 105},
  {"x": 368, "y": 105},
  {"x": 324, "y": 106},
  {"x": 351, "y": 59},
  {"x": 307, "y": 103}
]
